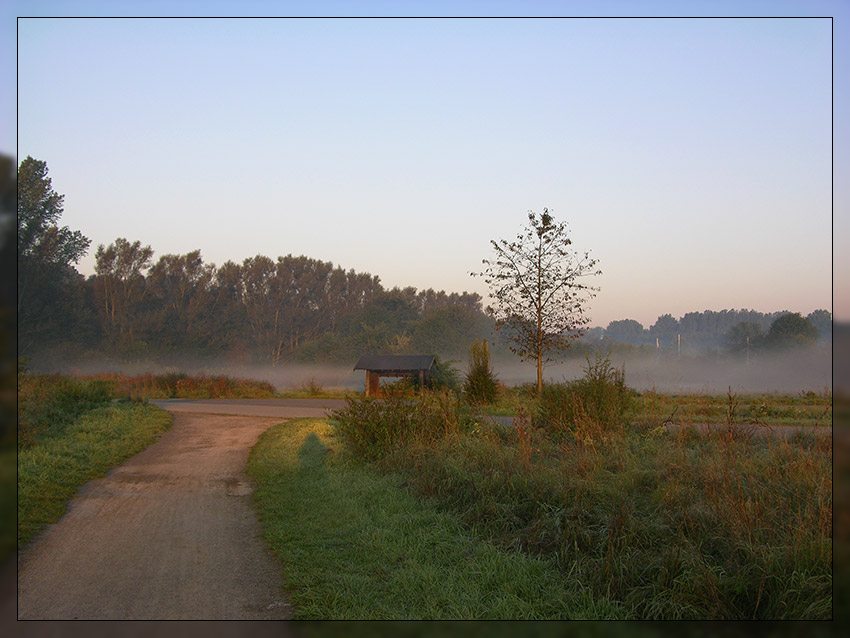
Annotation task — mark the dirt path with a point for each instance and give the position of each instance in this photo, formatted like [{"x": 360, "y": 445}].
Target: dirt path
[{"x": 169, "y": 534}]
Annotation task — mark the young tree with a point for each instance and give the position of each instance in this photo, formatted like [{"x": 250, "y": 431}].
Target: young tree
[
  {"x": 481, "y": 386},
  {"x": 540, "y": 302}
]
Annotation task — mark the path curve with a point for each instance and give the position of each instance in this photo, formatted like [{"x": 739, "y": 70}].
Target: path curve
[
  {"x": 169, "y": 534},
  {"x": 282, "y": 408}
]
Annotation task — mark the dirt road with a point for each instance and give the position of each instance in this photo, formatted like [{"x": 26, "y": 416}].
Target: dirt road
[{"x": 169, "y": 534}]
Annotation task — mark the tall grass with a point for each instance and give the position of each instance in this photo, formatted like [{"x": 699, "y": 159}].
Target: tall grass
[
  {"x": 662, "y": 525},
  {"x": 178, "y": 385},
  {"x": 50, "y": 402},
  {"x": 599, "y": 398},
  {"x": 373, "y": 427}
]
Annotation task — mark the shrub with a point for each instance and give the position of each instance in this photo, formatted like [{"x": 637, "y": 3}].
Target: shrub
[
  {"x": 600, "y": 398},
  {"x": 481, "y": 386},
  {"x": 372, "y": 427},
  {"x": 444, "y": 376},
  {"x": 312, "y": 387}
]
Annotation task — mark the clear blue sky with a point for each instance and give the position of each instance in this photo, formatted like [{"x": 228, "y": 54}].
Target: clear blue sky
[{"x": 692, "y": 157}]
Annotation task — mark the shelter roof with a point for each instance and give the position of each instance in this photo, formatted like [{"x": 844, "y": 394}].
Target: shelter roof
[{"x": 395, "y": 363}]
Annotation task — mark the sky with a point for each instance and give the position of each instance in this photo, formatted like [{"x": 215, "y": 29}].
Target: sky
[{"x": 692, "y": 157}]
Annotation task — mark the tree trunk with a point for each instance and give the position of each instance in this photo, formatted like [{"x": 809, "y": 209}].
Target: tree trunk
[{"x": 539, "y": 374}]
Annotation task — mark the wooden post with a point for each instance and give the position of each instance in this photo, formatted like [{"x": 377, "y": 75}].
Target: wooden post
[
  {"x": 373, "y": 384},
  {"x": 421, "y": 381}
]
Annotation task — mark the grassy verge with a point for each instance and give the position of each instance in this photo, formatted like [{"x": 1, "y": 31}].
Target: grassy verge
[
  {"x": 51, "y": 470},
  {"x": 49, "y": 403},
  {"x": 356, "y": 545}
]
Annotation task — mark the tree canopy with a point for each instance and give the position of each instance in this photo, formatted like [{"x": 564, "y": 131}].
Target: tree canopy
[
  {"x": 791, "y": 330},
  {"x": 47, "y": 281}
]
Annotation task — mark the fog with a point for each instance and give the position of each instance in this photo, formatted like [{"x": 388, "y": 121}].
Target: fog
[
  {"x": 790, "y": 373},
  {"x": 283, "y": 377},
  {"x": 808, "y": 370}
]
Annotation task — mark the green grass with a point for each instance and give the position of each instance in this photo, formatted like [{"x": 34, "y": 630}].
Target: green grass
[
  {"x": 660, "y": 524},
  {"x": 48, "y": 403},
  {"x": 683, "y": 526},
  {"x": 51, "y": 470},
  {"x": 357, "y": 545},
  {"x": 762, "y": 409}
]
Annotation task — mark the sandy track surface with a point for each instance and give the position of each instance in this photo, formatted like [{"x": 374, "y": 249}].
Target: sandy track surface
[{"x": 169, "y": 534}]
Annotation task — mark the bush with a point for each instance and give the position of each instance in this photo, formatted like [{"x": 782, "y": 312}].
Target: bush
[
  {"x": 372, "y": 427},
  {"x": 444, "y": 376},
  {"x": 600, "y": 398},
  {"x": 481, "y": 386}
]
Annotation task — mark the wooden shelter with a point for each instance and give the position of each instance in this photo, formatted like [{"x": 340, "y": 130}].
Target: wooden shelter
[{"x": 379, "y": 365}]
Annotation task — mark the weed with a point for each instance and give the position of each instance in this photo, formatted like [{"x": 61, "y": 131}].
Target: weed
[
  {"x": 599, "y": 400},
  {"x": 312, "y": 387},
  {"x": 182, "y": 386}
]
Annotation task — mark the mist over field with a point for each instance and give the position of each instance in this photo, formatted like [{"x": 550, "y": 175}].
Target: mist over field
[
  {"x": 800, "y": 371},
  {"x": 790, "y": 373}
]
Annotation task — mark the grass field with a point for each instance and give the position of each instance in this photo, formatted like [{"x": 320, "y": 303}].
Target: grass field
[
  {"x": 653, "y": 408},
  {"x": 356, "y": 545},
  {"x": 493, "y": 523},
  {"x": 660, "y": 524}
]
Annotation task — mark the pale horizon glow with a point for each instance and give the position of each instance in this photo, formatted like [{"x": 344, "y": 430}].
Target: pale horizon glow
[{"x": 692, "y": 158}]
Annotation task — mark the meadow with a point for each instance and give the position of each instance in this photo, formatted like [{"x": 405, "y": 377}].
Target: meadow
[{"x": 654, "y": 523}]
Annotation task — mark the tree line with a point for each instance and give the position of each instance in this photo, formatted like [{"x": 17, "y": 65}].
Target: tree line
[
  {"x": 724, "y": 330},
  {"x": 263, "y": 309}
]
